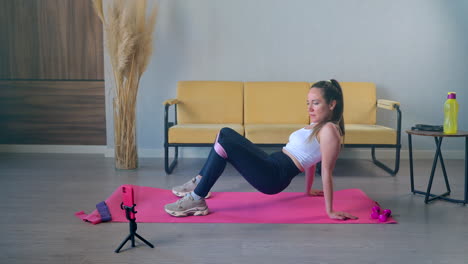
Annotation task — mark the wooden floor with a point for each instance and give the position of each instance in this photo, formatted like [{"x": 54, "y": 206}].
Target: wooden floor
[{"x": 41, "y": 192}]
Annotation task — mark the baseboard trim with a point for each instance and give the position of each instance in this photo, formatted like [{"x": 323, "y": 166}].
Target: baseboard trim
[
  {"x": 347, "y": 153},
  {"x": 71, "y": 149},
  {"x": 404, "y": 154},
  {"x": 193, "y": 152}
]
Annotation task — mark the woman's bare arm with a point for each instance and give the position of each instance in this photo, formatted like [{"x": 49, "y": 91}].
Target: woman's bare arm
[{"x": 330, "y": 148}]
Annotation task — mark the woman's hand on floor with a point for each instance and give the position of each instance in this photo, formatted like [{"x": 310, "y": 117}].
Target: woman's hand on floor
[
  {"x": 314, "y": 192},
  {"x": 341, "y": 216}
]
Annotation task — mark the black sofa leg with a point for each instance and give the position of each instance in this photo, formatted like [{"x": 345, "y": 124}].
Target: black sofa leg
[
  {"x": 383, "y": 166},
  {"x": 167, "y": 167}
]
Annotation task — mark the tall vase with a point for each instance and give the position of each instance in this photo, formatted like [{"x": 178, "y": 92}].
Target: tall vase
[{"x": 126, "y": 153}]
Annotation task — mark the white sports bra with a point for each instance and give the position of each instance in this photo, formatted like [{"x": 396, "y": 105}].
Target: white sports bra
[{"x": 307, "y": 152}]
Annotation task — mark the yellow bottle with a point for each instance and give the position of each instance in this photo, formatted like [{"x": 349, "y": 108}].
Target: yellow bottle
[{"x": 451, "y": 114}]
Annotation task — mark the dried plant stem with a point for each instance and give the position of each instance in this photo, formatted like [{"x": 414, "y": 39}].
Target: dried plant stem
[
  {"x": 126, "y": 154},
  {"x": 129, "y": 43}
]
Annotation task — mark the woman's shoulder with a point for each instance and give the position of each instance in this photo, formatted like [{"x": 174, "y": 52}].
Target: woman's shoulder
[{"x": 330, "y": 129}]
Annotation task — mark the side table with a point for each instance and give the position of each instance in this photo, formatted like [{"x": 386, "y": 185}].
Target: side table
[{"x": 438, "y": 136}]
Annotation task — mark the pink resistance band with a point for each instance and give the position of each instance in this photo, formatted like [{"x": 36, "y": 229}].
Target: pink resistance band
[{"x": 219, "y": 149}]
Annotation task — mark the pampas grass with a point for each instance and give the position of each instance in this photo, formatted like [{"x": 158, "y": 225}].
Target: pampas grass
[{"x": 129, "y": 41}]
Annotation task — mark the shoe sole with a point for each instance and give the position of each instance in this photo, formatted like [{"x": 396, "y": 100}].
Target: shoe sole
[
  {"x": 192, "y": 211},
  {"x": 182, "y": 194}
]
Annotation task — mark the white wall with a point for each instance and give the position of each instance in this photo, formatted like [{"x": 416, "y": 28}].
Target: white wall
[{"x": 415, "y": 51}]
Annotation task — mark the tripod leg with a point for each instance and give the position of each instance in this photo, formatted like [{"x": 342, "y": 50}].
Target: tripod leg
[
  {"x": 123, "y": 243},
  {"x": 144, "y": 240},
  {"x": 133, "y": 228}
]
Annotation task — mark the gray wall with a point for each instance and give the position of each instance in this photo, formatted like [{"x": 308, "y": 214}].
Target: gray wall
[{"x": 415, "y": 51}]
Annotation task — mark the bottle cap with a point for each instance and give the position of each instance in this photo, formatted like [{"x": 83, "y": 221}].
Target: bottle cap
[{"x": 452, "y": 95}]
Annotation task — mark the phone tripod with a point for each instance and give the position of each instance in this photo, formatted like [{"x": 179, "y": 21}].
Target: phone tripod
[{"x": 130, "y": 214}]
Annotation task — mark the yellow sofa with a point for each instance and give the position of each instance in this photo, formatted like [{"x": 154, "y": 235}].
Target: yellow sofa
[{"x": 266, "y": 113}]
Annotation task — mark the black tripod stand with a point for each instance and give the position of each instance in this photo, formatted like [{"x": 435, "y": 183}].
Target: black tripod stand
[{"x": 133, "y": 228}]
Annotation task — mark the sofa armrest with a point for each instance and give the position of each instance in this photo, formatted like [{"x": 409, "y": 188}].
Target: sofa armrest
[
  {"x": 171, "y": 102},
  {"x": 387, "y": 104},
  {"x": 392, "y": 105}
]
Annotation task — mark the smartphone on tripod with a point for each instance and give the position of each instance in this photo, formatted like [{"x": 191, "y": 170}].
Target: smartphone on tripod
[
  {"x": 128, "y": 204},
  {"x": 128, "y": 199}
]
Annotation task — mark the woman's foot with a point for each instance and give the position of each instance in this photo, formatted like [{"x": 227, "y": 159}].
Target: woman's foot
[
  {"x": 187, "y": 206},
  {"x": 182, "y": 190}
]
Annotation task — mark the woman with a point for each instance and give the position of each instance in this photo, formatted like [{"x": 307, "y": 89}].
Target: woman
[{"x": 271, "y": 174}]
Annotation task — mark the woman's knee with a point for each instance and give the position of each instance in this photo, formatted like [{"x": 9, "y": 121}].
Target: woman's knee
[
  {"x": 227, "y": 131},
  {"x": 226, "y": 134}
]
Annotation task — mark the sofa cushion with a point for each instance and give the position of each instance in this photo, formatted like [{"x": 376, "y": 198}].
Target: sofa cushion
[
  {"x": 270, "y": 133},
  {"x": 359, "y": 102},
  {"x": 199, "y": 133},
  {"x": 369, "y": 134},
  {"x": 210, "y": 102},
  {"x": 275, "y": 103}
]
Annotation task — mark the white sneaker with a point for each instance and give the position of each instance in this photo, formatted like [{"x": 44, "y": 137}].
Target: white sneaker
[
  {"x": 187, "y": 206},
  {"x": 188, "y": 187}
]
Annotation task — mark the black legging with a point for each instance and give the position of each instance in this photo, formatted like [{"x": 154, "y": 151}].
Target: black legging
[{"x": 270, "y": 174}]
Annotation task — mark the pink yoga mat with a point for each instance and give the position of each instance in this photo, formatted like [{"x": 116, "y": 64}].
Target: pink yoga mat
[{"x": 245, "y": 207}]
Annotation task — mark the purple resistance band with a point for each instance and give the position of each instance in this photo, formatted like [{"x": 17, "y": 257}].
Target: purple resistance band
[{"x": 104, "y": 211}]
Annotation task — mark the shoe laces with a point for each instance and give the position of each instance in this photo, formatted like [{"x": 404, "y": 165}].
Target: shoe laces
[{"x": 186, "y": 197}]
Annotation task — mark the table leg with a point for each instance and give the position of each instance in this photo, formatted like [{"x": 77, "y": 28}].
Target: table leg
[
  {"x": 442, "y": 164},
  {"x": 434, "y": 165},
  {"x": 410, "y": 148},
  {"x": 466, "y": 171}
]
